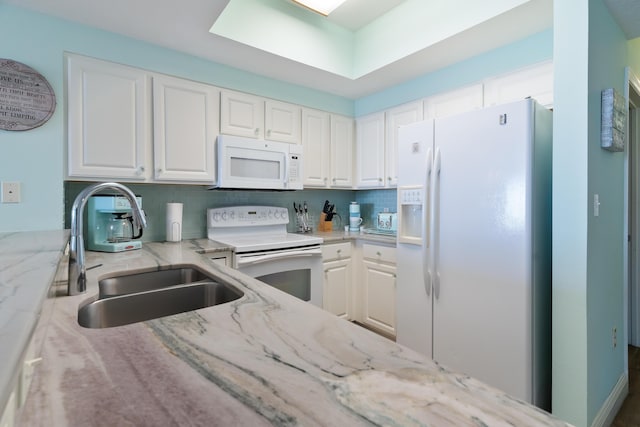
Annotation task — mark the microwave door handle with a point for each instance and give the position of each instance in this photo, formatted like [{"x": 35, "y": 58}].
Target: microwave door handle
[
  {"x": 286, "y": 171},
  {"x": 243, "y": 261}
]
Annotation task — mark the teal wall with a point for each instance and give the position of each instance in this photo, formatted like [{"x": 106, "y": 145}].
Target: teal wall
[
  {"x": 35, "y": 157},
  {"x": 531, "y": 50},
  {"x": 590, "y": 54}
]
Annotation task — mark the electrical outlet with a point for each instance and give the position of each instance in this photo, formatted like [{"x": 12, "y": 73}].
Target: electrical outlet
[
  {"x": 614, "y": 336},
  {"x": 10, "y": 192}
]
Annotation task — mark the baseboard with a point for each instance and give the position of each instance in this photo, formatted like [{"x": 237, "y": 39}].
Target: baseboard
[{"x": 611, "y": 406}]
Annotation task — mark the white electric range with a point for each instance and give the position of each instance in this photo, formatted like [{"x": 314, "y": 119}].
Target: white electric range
[{"x": 262, "y": 248}]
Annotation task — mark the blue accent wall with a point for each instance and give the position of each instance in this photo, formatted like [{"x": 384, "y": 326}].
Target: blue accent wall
[
  {"x": 590, "y": 54},
  {"x": 528, "y": 51},
  {"x": 36, "y": 157}
]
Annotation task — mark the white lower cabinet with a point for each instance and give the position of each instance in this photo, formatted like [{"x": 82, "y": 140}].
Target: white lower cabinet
[
  {"x": 19, "y": 393},
  {"x": 338, "y": 276},
  {"x": 8, "y": 415},
  {"x": 360, "y": 284},
  {"x": 378, "y": 288}
]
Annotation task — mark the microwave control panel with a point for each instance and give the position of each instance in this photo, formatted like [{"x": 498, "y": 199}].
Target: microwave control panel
[{"x": 295, "y": 164}]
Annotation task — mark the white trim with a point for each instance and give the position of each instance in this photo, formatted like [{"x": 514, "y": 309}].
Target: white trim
[
  {"x": 631, "y": 304},
  {"x": 612, "y": 405}
]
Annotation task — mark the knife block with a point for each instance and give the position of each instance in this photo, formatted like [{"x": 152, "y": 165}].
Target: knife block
[{"x": 325, "y": 225}]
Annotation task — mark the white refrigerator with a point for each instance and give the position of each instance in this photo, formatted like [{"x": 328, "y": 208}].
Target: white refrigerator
[{"x": 474, "y": 245}]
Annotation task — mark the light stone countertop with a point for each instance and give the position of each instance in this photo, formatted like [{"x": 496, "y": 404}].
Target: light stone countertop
[
  {"x": 264, "y": 359},
  {"x": 28, "y": 262}
]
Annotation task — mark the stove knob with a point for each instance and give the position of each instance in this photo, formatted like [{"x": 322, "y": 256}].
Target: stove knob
[
  {"x": 224, "y": 215},
  {"x": 276, "y": 214},
  {"x": 270, "y": 214},
  {"x": 232, "y": 215},
  {"x": 216, "y": 216}
]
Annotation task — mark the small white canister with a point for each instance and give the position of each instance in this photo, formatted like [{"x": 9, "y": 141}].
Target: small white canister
[{"x": 174, "y": 222}]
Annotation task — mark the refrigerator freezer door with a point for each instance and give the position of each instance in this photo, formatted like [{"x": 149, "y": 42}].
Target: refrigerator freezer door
[
  {"x": 482, "y": 307},
  {"x": 413, "y": 293}
]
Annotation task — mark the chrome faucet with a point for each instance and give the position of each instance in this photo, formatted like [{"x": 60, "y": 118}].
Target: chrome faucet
[{"x": 77, "y": 270}]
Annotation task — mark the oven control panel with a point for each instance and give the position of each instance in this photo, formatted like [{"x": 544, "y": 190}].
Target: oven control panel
[{"x": 235, "y": 216}]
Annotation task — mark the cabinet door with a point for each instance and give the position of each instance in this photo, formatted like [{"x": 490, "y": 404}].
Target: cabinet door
[
  {"x": 316, "y": 141},
  {"x": 370, "y": 151},
  {"x": 8, "y": 414},
  {"x": 109, "y": 122},
  {"x": 241, "y": 114},
  {"x": 535, "y": 82},
  {"x": 379, "y": 296},
  {"x": 337, "y": 287},
  {"x": 454, "y": 102},
  {"x": 185, "y": 128},
  {"x": 282, "y": 122},
  {"x": 341, "y": 151},
  {"x": 396, "y": 117}
]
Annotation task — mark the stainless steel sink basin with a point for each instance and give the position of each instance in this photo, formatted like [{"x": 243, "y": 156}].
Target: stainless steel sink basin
[
  {"x": 140, "y": 282},
  {"x": 140, "y": 306}
]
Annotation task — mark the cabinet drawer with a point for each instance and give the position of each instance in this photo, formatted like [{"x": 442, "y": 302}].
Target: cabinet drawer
[
  {"x": 336, "y": 251},
  {"x": 379, "y": 253}
]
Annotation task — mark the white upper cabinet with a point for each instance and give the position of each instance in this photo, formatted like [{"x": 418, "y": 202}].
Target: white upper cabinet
[
  {"x": 112, "y": 136},
  {"x": 251, "y": 116},
  {"x": 454, "y": 102},
  {"x": 241, "y": 114},
  {"x": 282, "y": 121},
  {"x": 535, "y": 82},
  {"x": 341, "y": 164},
  {"x": 370, "y": 151},
  {"x": 327, "y": 141},
  {"x": 316, "y": 142},
  {"x": 396, "y": 117},
  {"x": 109, "y": 120},
  {"x": 186, "y": 121}
]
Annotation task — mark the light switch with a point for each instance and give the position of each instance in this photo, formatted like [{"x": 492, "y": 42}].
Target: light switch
[
  {"x": 596, "y": 205},
  {"x": 10, "y": 192}
]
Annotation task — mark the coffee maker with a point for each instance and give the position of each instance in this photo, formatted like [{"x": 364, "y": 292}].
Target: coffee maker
[{"x": 110, "y": 224}]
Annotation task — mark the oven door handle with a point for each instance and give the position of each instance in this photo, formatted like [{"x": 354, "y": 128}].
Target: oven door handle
[{"x": 244, "y": 261}]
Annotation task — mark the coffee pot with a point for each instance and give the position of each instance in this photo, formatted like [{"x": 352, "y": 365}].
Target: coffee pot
[
  {"x": 120, "y": 228},
  {"x": 110, "y": 224}
]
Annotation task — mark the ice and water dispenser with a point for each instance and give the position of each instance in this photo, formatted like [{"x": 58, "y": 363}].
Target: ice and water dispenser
[{"x": 411, "y": 214}]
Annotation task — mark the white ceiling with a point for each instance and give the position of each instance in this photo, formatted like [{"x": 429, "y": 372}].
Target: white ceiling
[{"x": 184, "y": 26}]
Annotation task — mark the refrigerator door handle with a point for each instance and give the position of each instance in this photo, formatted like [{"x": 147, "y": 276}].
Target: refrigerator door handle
[
  {"x": 435, "y": 224},
  {"x": 426, "y": 226}
]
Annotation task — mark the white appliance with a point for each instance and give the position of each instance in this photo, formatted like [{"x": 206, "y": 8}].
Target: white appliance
[
  {"x": 474, "y": 245},
  {"x": 245, "y": 163},
  {"x": 262, "y": 248}
]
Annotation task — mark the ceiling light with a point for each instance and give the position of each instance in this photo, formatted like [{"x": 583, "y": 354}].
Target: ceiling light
[{"x": 323, "y": 7}]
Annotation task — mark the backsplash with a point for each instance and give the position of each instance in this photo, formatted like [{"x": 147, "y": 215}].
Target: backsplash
[
  {"x": 373, "y": 202},
  {"x": 197, "y": 199}
]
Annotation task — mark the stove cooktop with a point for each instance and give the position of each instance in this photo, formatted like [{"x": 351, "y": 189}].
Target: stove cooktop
[
  {"x": 248, "y": 243},
  {"x": 255, "y": 228}
]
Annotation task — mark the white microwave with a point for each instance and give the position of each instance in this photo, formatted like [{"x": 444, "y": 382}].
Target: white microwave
[{"x": 245, "y": 163}]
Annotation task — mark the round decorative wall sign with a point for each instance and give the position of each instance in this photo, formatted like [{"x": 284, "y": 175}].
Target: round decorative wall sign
[{"x": 26, "y": 97}]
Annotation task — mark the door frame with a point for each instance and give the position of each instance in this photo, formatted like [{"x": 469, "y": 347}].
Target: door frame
[{"x": 631, "y": 294}]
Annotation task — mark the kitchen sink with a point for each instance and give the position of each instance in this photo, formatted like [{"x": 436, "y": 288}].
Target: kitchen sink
[
  {"x": 147, "y": 281},
  {"x": 135, "y": 307}
]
